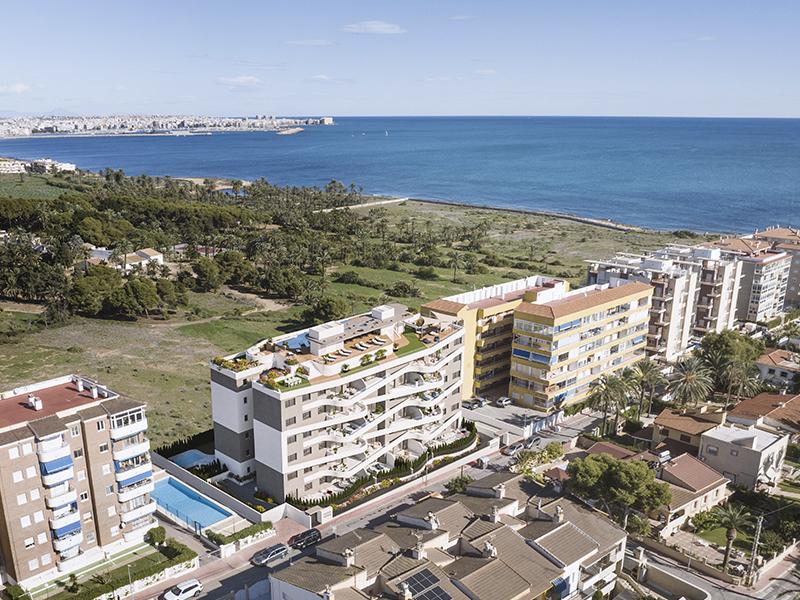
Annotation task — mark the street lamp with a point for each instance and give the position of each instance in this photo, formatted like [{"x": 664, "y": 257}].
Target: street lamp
[{"x": 130, "y": 583}]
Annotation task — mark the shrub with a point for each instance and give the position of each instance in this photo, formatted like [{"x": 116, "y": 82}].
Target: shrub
[
  {"x": 428, "y": 273},
  {"x": 703, "y": 521},
  {"x": 15, "y": 591},
  {"x": 209, "y": 470},
  {"x": 403, "y": 289},
  {"x": 220, "y": 539},
  {"x": 458, "y": 484},
  {"x": 187, "y": 443},
  {"x": 156, "y": 536}
]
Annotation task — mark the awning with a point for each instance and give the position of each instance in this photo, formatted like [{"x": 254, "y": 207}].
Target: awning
[
  {"x": 56, "y": 465},
  {"x": 135, "y": 479},
  {"x": 67, "y": 529},
  {"x": 560, "y": 586}
]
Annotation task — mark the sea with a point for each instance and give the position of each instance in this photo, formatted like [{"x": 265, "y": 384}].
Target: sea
[{"x": 703, "y": 174}]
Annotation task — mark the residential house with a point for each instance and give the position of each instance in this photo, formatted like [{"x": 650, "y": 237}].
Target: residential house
[
  {"x": 750, "y": 457},
  {"x": 780, "y": 412},
  {"x": 780, "y": 368},
  {"x": 679, "y": 430}
]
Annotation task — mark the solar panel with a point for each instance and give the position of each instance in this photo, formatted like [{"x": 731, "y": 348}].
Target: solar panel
[
  {"x": 421, "y": 581},
  {"x": 435, "y": 593}
]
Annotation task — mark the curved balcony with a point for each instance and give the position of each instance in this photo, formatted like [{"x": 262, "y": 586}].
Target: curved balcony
[
  {"x": 70, "y": 541},
  {"x": 129, "y": 493},
  {"x": 73, "y": 516},
  {"x": 125, "y": 473},
  {"x": 58, "y": 477},
  {"x": 131, "y": 450},
  {"x": 47, "y": 454},
  {"x": 60, "y": 495},
  {"x": 123, "y": 431},
  {"x": 138, "y": 512}
]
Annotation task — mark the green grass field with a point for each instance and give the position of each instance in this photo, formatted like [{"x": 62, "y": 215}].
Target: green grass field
[{"x": 28, "y": 186}]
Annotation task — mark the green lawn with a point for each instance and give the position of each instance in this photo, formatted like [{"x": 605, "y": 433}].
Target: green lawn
[
  {"x": 12, "y": 322},
  {"x": 30, "y": 186},
  {"x": 414, "y": 344},
  {"x": 744, "y": 539},
  {"x": 789, "y": 486}
]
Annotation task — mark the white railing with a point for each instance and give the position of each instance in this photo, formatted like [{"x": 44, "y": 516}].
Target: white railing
[
  {"x": 123, "y": 431},
  {"x": 70, "y": 541},
  {"x": 58, "y": 477},
  {"x": 136, "y": 490},
  {"x": 131, "y": 450},
  {"x": 133, "y": 471},
  {"x": 138, "y": 512},
  {"x": 57, "y": 522}
]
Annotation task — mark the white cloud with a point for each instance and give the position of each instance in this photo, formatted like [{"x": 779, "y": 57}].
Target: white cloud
[
  {"x": 309, "y": 43},
  {"x": 15, "y": 88},
  {"x": 484, "y": 72},
  {"x": 240, "y": 81},
  {"x": 322, "y": 78},
  {"x": 707, "y": 38},
  {"x": 377, "y": 27},
  {"x": 462, "y": 17}
]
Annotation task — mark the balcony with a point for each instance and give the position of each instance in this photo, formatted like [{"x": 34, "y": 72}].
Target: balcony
[
  {"x": 134, "y": 491},
  {"x": 66, "y": 542},
  {"x": 60, "y": 495},
  {"x": 138, "y": 528},
  {"x": 130, "y": 450},
  {"x": 119, "y": 431},
  {"x": 64, "y": 519},
  {"x": 58, "y": 477},
  {"x": 129, "y": 472},
  {"x": 47, "y": 453},
  {"x": 138, "y": 512}
]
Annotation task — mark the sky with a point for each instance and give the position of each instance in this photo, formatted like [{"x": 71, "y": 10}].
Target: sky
[{"x": 375, "y": 57}]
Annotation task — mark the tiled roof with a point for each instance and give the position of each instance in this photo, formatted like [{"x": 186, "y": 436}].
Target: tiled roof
[
  {"x": 788, "y": 234},
  {"x": 452, "y": 516},
  {"x": 482, "y": 505},
  {"x": 781, "y": 359},
  {"x": 691, "y": 473},
  {"x": 568, "y": 544},
  {"x": 781, "y": 407},
  {"x": 685, "y": 423},
  {"x": 445, "y": 306},
  {"x": 314, "y": 575},
  {"x": 609, "y": 448},
  {"x": 740, "y": 245},
  {"x": 488, "y": 578}
]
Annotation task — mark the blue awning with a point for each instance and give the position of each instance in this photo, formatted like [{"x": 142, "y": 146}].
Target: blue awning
[
  {"x": 560, "y": 585},
  {"x": 67, "y": 529},
  {"x": 56, "y": 465},
  {"x": 135, "y": 479}
]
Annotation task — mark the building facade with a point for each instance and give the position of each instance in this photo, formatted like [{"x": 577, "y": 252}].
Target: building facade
[
  {"x": 75, "y": 477},
  {"x": 311, "y": 411},
  {"x": 564, "y": 344},
  {"x": 488, "y": 318},
  {"x": 786, "y": 239},
  {"x": 749, "y": 457},
  {"x": 672, "y": 311}
]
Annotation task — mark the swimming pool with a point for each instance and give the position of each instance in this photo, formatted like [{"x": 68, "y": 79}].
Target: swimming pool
[
  {"x": 186, "y": 504},
  {"x": 192, "y": 458}
]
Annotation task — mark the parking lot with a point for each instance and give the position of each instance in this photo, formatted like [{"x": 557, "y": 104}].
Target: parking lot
[{"x": 517, "y": 421}]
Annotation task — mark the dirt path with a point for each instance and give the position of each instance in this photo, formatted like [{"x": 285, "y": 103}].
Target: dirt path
[{"x": 34, "y": 309}]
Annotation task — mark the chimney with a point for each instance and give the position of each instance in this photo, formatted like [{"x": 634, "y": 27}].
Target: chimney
[
  {"x": 79, "y": 384},
  {"x": 349, "y": 557},
  {"x": 433, "y": 522},
  {"x": 489, "y": 551},
  {"x": 405, "y": 591},
  {"x": 495, "y": 514},
  {"x": 559, "y": 516},
  {"x": 500, "y": 490},
  {"x": 418, "y": 552},
  {"x": 94, "y": 391}
]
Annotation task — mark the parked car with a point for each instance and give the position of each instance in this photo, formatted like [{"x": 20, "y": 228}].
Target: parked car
[
  {"x": 513, "y": 449},
  {"x": 377, "y": 469},
  {"x": 185, "y": 589},
  {"x": 503, "y": 401},
  {"x": 271, "y": 554},
  {"x": 468, "y": 404},
  {"x": 305, "y": 539},
  {"x": 532, "y": 443},
  {"x": 480, "y": 402}
]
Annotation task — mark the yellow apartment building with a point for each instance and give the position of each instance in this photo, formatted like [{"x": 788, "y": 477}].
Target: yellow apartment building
[{"x": 562, "y": 345}]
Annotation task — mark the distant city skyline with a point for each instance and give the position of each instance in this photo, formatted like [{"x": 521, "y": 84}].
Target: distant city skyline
[{"x": 616, "y": 58}]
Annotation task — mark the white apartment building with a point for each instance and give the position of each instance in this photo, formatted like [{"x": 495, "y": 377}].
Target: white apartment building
[
  {"x": 675, "y": 290},
  {"x": 12, "y": 167},
  {"x": 786, "y": 239},
  {"x": 765, "y": 276},
  {"x": 310, "y": 411}
]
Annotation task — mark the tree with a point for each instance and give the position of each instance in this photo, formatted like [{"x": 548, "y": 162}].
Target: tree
[
  {"x": 742, "y": 379},
  {"x": 608, "y": 394},
  {"x": 155, "y": 536},
  {"x": 719, "y": 349},
  {"x": 456, "y": 262},
  {"x": 458, "y": 484},
  {"x": 326, "y": 308},
  {"x": 733, "y": 519},
  {"x": 207, "y": 274},
  {"x": 620, "y": 485},
  {"x": 693, "y": 381},
  {"x": 646, "y": 377}
]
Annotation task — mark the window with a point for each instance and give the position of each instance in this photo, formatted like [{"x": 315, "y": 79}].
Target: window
[
  {"x": 81, "y": 475},
  {"x": 289, "y": 403},
  {"x": 291, "y": 421},
  {"x": 25, "y": 521},
  {"x": 104, "y": 447},
  {"x": 246, "y": 418},
  {"x": 33, "y": 564},
  {"x": 22, "y": 499},
  {"x": 109, "y": 490},
  {"x": 247, "y": 435},
  {"x": 30, "y": 472},
  {"x": 734, "y": 453},
  {"x": 45, "y": 559},
  {"x": 112, "y": 511},
  {"x": 685, "y": 438},
  {"x": 78, "y": 453},
  {"x": 27, "y": 448},
  {"x": 34, "y": 494},
  {"x": 106, "y": 469},
  {"x": 84, "y": 496},
  {"x": 245, "y": 401},
  {"x": 90, "y": 536},
  {"x": 712, "y": 450},
  {"x": 291, "y": 439},
  {"x": 308, "y": 486},
  {"x": 306, "y": 415},
  {"x": 16, "y": 476},
  {"x": 293, "y": 457},
  {"x": 13, "y": 453},
  {"x": 306, "y": 434},
  {"x": 29, "y": 543},
  {"x": 115, "y": 530},
  {"x": 38, "y": 516},
  {"x": 307, "y": 451},
  {"x": 292, "y": 476},
  {"x": 101, "y": 425},
  {"x": 75, "y": 431}
]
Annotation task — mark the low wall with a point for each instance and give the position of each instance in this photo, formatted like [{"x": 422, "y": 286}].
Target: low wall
[
  {"x": 676, "y": 587},
  {"x": 141, "y": 584},
  {"x": 787, "y": 550},
  {"x": 681, "y": 558}
]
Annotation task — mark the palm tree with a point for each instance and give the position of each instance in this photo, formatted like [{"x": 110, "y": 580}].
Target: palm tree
[
  {"x": 717, "y": 361},
  {"x": 741, "y": 379},
  {"x": 694, "y": 381},
  {"x": 456, "y": 261},
  {"x": 609, "y": 393},
  {"x": 733, "y": 519},
  {"x": 645, "y": 377}
]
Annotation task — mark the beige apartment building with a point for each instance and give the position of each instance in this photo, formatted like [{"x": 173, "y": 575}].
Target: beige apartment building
[
  {"x": 75, "y": 477},
  {"x": 488, "y": 318},
  {"x": 765, "y": 276},
  {"x": 311, "y": 411},
  {"x": 563, "y": 345},
  {"x": 672, "y": 311}
]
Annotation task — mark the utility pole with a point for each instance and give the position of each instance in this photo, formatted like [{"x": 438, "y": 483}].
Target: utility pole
[{"x": 754, "y": 551}]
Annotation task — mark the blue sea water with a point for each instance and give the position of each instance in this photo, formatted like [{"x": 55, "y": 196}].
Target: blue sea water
[{"x": 666, "y": 173}]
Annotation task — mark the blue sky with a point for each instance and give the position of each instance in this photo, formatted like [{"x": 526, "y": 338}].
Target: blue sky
[{"x": 375, "y": 57}]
